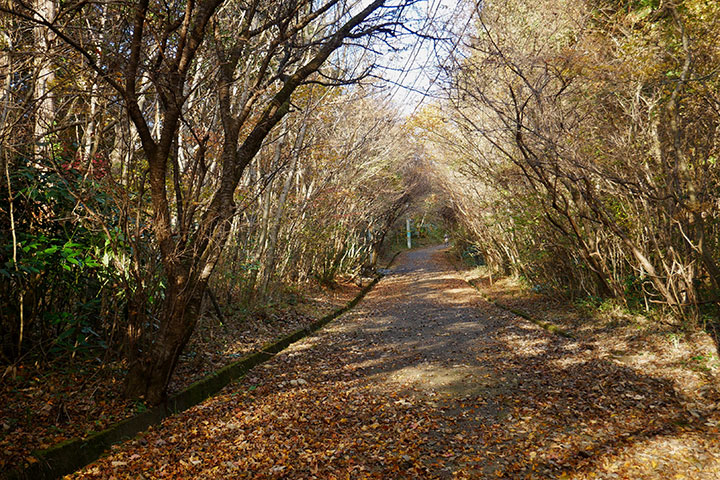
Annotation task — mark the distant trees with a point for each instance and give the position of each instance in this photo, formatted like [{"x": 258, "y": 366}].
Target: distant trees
[
  {"x": 157, "y": 121},
  {"x": 588, "y": 141},
  {"x": 334, "y": 175}
]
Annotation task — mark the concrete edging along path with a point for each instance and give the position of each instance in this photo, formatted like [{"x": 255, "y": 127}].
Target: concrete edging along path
[
  {"x": 550, "y": 327},
  {"x": 73, "y": 454}
]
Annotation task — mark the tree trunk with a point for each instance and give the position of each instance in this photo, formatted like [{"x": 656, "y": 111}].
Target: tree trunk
[
  {"x": 189, "y": 264},
  {"x": 45, "y": 10},
  {"x": 270, "y": 257},
  {"x": 150, "y": 376}
]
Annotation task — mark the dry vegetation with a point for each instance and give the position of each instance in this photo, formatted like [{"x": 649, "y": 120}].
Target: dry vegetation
[
  {"x": 687, "y": 363},
  {"x": 578, "y": 148},
  {"x": 42, "y": 408},
  {"x": 182, "y": 181}
]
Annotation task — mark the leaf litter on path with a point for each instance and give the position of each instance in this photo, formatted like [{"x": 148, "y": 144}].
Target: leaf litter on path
[{"x": 426, "y": 380}]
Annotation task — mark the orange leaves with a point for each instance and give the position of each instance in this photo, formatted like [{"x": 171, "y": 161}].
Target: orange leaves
[{"x": 540, "y": 408}]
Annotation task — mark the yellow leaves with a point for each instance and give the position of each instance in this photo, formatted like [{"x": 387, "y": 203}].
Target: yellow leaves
[{"x": 424, "y": 123}]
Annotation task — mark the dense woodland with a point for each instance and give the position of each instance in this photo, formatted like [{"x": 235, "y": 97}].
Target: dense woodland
[
  {"x": 163, "y": 158},
  {"x": 579, "y": 145},
  {"x": 156, "y": 154}
]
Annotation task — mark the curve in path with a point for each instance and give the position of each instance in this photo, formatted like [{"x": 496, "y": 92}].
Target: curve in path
[{"x": 423, "y": 380}]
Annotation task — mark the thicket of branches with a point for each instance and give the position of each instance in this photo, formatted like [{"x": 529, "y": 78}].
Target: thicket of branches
[
  {"x": 152, "y": 148},
  {"x": 585, "y": 146}
]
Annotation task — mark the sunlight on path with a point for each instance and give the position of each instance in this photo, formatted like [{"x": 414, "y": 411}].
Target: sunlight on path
[{"x": 426, "y": 380}]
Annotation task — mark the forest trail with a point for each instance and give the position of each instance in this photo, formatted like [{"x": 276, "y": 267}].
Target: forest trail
[{"x": 424, "y": 379}]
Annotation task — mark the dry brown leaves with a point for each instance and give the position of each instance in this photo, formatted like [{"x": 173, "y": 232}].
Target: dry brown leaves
[
  {"x": 426, "y": 381},
  {"x": 46, "y": 406}
]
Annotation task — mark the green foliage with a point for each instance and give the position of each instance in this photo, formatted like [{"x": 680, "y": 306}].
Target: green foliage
[
  {"x": 64, "y": 272},
  {"x": 472, "y": 255},
  {"x": 645, "y": 4},
  {"x": 140, "y": 407},
  {"x": 702, "y": 363}
]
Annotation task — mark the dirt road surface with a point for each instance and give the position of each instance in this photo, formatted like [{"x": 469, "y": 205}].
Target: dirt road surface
[{"x": 423, "y": 379}]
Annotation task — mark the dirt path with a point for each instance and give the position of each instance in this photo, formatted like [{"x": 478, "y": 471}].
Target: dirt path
[{"x": 423, "y": 380}]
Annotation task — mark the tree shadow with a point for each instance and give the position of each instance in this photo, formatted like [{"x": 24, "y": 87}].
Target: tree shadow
[
  {"x": 426, "y": 380},
  {"x": 548, "y": 404}
]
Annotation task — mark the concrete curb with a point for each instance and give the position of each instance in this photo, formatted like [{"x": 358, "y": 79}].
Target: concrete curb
[
  {"x": 542, "y": 324},
  {"x": 76, "y": 453}
]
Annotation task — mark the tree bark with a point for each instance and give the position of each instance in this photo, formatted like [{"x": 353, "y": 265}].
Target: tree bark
[
  {"x": 187, "y": 272},
  {"x": 270, "y": 257},
  {"x": 152, "y": 372},
  {"x": 45, "y": 11}
]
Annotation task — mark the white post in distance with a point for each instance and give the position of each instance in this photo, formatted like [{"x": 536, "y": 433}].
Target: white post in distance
[{"x": 409, "y": 236}]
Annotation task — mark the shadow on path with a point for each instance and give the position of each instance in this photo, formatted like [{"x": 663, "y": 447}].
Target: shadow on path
[{"x": 423, "y": 380}]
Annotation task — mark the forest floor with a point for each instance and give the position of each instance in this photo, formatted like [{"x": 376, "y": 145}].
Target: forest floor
[
  {"x": 425, "y": 379},
  {"x": 45, "y": 405}
]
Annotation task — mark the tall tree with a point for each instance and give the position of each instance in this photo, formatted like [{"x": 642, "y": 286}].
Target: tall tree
[{"x": 252, "y": 56}]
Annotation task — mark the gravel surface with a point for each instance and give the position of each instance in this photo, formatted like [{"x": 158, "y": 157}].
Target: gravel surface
[{"x": 424, "y": 379}]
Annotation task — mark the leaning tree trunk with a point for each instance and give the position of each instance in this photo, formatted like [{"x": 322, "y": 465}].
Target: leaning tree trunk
[{"x": 151, "y": 374}]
